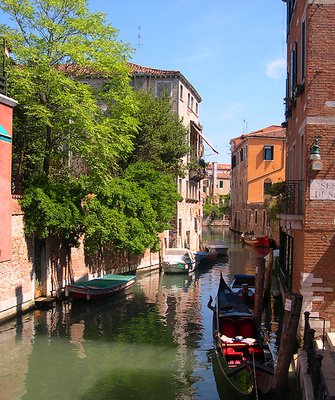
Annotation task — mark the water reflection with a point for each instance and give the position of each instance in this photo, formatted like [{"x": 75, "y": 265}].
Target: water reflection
[{"x": 152, "y": 342}]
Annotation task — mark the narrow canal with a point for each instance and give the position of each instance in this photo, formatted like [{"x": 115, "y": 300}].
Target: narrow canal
[{"x": 152, "y": 342}]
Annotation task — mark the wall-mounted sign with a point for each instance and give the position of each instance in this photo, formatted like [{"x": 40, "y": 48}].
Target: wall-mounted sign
[
  {"x": 322, "y": 189},
  {"x": 288, "y": 305}
]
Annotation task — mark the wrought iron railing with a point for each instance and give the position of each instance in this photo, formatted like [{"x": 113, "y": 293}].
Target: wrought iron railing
[
  {"x": 291, "y": 198},
  {"x": 314, "y": 361}
]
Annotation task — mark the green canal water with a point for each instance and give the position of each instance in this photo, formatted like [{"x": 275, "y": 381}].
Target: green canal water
[{"x": 152, "y": 342}]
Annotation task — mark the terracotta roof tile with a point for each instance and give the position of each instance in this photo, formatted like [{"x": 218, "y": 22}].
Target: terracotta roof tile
[
  {"x": 139, "y": 69},
  {"x": 223, "y": 176},
  {"x": 272, "y": 131},
  {"x": 135, "y": 69}
]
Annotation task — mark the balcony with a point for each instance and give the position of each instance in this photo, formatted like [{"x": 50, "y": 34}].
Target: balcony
[
  {"x": 197, "y": 170},
  {"x": 290, "y": 205}
]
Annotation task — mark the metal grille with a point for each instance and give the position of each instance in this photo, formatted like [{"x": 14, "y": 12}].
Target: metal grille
[{"x": 291, "y": 201}]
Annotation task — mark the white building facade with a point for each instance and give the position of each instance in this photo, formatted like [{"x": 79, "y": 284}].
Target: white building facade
[{"x": 187, "y": 226}]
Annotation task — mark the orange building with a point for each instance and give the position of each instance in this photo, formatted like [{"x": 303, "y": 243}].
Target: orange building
[{"x": 258, "y": 161}]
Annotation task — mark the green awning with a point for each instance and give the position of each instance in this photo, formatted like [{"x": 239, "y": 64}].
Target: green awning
[{"x": 4, "y": 135}]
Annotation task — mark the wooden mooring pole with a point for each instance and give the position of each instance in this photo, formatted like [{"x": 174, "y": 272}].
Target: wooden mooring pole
[
  {"x": 292, "y": 307},
  {"x": 259, "y": 288},
  {"x": 268, "y": 274}
]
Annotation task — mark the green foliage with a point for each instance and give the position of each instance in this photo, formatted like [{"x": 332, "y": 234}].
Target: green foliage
[
  {"x": 276, "y": 189},
  {"x": 121, "y": 214},
  {"x": 53, "y": 208},
  {"x": 58, "y": 126},
  {"x": 161, "y": 137},
  {"x": 213, "y": 211},
  {"x": 217, "y": 211},
  {"x": 160, "y": 187},
  {"x": 273, "y": 199},
  {"x": 129, "y": 211}
]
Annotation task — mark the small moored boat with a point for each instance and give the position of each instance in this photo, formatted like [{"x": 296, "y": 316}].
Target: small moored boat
[
  {"x": 243, "y": 359},
  {"x": 99, "y": 287},
  {"x": 257, "y": 241},
  {"x": 218, "y": 247},
  {"x": 178, "y": 261},
  {"x": 205, "y": 257}
]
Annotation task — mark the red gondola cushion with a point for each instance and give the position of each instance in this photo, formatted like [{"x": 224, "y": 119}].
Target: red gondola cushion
[
  {"x": 247, "y": 328},
  {"x": 228, "y": 328}
]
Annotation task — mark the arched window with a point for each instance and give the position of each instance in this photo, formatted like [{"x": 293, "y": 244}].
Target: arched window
[{"x": 267, "y": 186}]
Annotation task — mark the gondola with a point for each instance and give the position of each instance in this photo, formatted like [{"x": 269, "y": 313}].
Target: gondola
[{"x": 242, "y": 358}]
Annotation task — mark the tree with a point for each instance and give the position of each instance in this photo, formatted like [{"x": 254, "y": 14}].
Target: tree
[
  {"x": 161, "y": 137},
  {"x": 58, "y": 118},
  {"x": 217, "y": 211},
  {"x": 130, "y": 210}
]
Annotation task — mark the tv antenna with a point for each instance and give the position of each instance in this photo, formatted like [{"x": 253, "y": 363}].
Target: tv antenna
[
  {"x": 139, "y": 44},
  {"x": 245, "y": 126}
]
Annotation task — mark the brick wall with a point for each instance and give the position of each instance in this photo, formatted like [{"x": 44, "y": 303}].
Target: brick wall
[
  {"x": 17, "y": 277},
  {"x": 17, "y": 291},
  {"x": 313, "y": 114}
]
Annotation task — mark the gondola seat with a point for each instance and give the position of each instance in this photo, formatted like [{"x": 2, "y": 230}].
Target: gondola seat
[
  {"x": 228, "y": 328},
  {"x": 232, "y": 356},
  {"x": 247, "y": 328}
]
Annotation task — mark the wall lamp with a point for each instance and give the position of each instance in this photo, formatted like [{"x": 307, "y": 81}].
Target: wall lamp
[{"x": 314, "y": 155}]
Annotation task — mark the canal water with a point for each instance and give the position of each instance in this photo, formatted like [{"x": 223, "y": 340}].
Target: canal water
[{"x": 152, "y": 342}]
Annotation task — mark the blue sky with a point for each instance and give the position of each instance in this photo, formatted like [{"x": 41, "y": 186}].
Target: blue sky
[{"x": 233, "y": 52}]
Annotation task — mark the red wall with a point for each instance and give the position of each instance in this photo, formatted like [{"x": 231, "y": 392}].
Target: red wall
[{"x": 6, "y": 114}]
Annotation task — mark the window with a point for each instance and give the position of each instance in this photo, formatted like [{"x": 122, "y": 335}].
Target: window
[
  {"x": 264, "y": 218},
  {"x": 267, "y": 186},
  {"x": 241, "y": 155},
  {"x": 192, "y": 100},
  {"x": 221, "y": 184},
  {"x": 294, "y": 69},
  {"x": 163, "y": 88},
  {"x": 233, "y": 161},
  {"x": 268, "y": 153},
  {"x": 256, "y": 217},
  {"x": 188, "y": 100},
  {"x": 196, "y": 108},
  {"x": 290, "y": 9},
  {"x": 181, "y": 92},
  {"x": 303, "y": 50},
  {"x": 179, "y": 227}
]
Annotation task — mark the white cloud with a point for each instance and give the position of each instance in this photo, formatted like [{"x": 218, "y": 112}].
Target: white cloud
[{"x": 276, "y": 69}]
